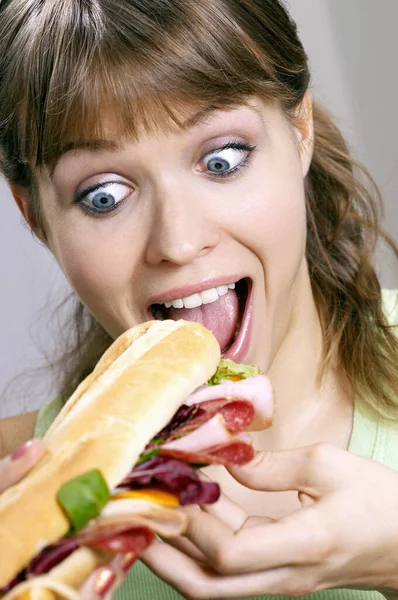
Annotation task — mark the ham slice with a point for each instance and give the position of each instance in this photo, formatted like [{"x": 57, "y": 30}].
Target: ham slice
[
  {"x": 167, "y": 522},
  {"x": 211, "y": 433},
  {"x": 256, "y": 390}
]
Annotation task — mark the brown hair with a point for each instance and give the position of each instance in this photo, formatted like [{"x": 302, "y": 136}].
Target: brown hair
[{"x": 64, "y": 65}]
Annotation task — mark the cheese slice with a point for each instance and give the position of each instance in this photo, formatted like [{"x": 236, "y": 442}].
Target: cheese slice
[{"x": 151, "y": 494}]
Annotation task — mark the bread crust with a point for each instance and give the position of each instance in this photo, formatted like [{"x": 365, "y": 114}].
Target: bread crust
[{"x": 133, "y": 392}]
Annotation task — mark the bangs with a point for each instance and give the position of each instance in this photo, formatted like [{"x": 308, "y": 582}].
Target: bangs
[
  {"x": 117, "y": 104},
  {"x": 98, "y": 68}
]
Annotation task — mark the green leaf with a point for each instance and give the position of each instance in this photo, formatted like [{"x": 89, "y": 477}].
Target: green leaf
[
  {"x": 83, "y": 498},
  {"x": 229, "y": 370},
  {"x": 147, "y": 455}
]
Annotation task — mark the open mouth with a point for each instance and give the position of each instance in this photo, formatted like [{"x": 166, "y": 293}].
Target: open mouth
[
  {"x": 223, "y": 314},
  {"x": 242, "y": 293}
]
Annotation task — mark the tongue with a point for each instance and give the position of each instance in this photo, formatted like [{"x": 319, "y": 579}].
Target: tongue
[{"x": 221, "y": 317}]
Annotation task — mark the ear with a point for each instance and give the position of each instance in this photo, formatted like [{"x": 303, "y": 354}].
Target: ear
[
  {"x": 304, "y": 126},
  {"x": 24, "y": 201}
]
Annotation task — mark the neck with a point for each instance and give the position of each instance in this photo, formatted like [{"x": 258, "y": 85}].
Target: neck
[{"x": 308, "y": 410}]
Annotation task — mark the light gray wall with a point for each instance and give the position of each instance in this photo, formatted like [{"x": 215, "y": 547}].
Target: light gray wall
[
  {"x": 29, "y": 278},
  {"x": 352, "y": 47},
  {"x": 353, "y": 50}
]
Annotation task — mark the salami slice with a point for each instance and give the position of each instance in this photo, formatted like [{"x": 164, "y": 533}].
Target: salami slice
[
  {"x": 120, "y": 538},
  {"x": 257, "y": 390},
  {"x": 235, "y": 452}
]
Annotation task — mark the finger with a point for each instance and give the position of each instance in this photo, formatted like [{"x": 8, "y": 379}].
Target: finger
[
  {"x": 187, "y": 548},
  {"x": 230, "y": 513},
  {"x": 192, "y": 580},
  {"x": 104, "y": 582},
  {"x": 101, "y": 584},
  {"x": 305, "y": 500},
  {"x": 256, "y": 521},
  {"x": 16, "y": 465},
  {"x": 233, "y": 515},
  {"x": 309, "y": 470},
  {"x": 289, "y": 541}
]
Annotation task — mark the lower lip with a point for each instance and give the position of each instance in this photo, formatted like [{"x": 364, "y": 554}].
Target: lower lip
[{"x": 240, "y": 347}]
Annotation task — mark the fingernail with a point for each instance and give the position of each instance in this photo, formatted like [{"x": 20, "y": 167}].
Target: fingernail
[
  {"x": 21, "y": 451},
  {"x": 127, "y": 561},
  {"x": 105, "y": 580}
]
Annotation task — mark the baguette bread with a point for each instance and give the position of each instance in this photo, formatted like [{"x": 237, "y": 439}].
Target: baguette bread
[
  {"x": 71, "y": 573},
  {"x": 74, "y": 570},
  {"x": 133, "y": 392}
]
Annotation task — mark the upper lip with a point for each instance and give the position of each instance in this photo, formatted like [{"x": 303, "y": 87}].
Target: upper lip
[{"x": 189, "y": 290}]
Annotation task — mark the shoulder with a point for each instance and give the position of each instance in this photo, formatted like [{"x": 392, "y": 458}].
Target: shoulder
[{"x": 14, "y": 431}]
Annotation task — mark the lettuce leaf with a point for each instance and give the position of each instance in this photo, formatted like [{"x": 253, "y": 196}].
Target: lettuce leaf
[{"x": 229, "y": 370}]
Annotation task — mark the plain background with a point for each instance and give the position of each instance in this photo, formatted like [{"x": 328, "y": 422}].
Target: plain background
[{"x": 352, "y": 45}]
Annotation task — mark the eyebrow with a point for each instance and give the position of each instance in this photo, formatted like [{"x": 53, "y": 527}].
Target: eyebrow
[
  {"x": 94, "y": 145},
  {"x": 101, "y": 144},
  {"x": 206, "y": 113}
]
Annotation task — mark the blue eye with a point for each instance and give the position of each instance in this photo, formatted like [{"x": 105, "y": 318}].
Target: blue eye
[
  {"x": 103, "y": 198},
  {"x": 227, "y": 160}
]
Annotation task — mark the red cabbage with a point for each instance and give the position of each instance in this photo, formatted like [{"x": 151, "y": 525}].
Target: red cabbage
[{"x": 174, "y": 476}]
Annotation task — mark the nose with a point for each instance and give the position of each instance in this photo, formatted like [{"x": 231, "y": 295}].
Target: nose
[{"x": 182, "y": 228}]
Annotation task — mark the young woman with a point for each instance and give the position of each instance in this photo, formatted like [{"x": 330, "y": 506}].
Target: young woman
[{"x": 168, "y": 151}]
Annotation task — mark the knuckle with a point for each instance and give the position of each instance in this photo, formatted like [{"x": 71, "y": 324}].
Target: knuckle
[
  {"x": 316, "y": 461},
  {"x": 318, "y": 541},
  {"x": 320, "y": 452},
  {"x": 223, "y": 560},
  {"x": 323, "y": 547},
  {"x": 300, "y": 588},
  {"x": 196, "y": 591}
]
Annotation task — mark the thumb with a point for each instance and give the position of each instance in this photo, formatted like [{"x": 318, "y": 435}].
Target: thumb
[
  {"x": 15, "y": 466},
  {"x": 306, "y": 470}
]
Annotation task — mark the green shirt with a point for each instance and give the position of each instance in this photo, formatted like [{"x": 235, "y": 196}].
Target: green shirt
[{"x": 377, "y": 441}]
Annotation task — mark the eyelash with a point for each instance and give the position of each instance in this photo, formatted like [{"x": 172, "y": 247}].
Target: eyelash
[
  {"x": 90, "y": 212},
  {"x": 234, "y": 145}
]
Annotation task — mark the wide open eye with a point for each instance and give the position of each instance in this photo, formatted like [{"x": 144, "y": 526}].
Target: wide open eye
[
  {"x": 227, "y": 160},
  {"x": 104, "y": 198}
]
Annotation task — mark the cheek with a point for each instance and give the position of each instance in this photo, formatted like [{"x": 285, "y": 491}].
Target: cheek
[
  {"x": 99, "y": 265},
  {"x": 275, "y": 218},
  {"x": 91, "y": 263}
]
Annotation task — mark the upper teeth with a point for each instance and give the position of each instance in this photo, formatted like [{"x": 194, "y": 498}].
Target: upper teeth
[{"x": 205, "y": 297}]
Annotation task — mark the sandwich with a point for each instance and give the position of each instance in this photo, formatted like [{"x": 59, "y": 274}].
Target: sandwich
[{"x": 124, "y": 454}]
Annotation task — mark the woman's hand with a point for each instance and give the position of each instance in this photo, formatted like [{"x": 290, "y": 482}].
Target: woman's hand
[
  {"x": 17, "y": 464},
  {"x": 344, "y": 535},
  {"x": 103, "y": 582}
]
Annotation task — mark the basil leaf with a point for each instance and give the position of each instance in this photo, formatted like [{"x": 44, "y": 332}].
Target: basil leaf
[{"x": 83, "y": 498}]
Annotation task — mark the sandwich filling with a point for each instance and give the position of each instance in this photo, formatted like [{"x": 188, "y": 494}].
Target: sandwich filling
[{"x": 210, "y": 427}]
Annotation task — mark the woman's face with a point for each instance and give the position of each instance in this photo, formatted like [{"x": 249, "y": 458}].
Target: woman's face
[{"x": 135, "y": 225}]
